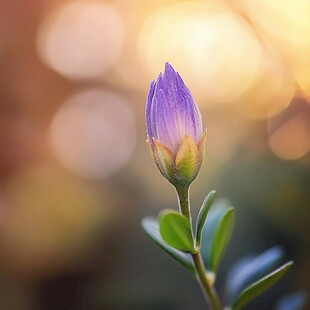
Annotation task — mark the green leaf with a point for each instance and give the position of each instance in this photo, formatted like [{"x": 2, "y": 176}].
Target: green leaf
[
  {"x": 151, "y": 227},
  {"x": 260, "y": 286},
  {"x": 175, "y": 230},
  {"x": 249, "y": 270},
  {"x": 203, "y": 215},
  {"x": 216, "y": 234},
  {"x": 222, "y": 237}
]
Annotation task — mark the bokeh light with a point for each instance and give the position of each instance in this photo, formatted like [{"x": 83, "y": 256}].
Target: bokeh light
[
  {"x": 291, "y": 140},
  {"x": 271, "y": 93},
  {"x": 293, "y": 44},
  {"x": 82, "y": 39},
  {"x": 76, "y": 177},
  {"x": 93, "y": 134},
  {"x": 213, "y": 49}
]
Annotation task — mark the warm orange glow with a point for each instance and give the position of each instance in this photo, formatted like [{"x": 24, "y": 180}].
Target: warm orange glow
[
  {"x": 291, "y": 140},
  {"x": 93, "y": 134},
  {"x": 271, "y": 93},
  {"x": 285, "y": 28},
  {"x": 215, "y": 52},
  {"x": 304, "y": 82},
  {"x": 82, "y": 39},
  {"x": 76, "y": 176}
]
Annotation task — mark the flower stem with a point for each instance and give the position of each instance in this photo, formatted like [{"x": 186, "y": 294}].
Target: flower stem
[
  {"x": 207, "y": 288},
  {"x": 184, "y": 205}
]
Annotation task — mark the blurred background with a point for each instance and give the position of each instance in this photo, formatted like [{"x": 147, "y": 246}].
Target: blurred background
[{"x": 76, "y": 177}]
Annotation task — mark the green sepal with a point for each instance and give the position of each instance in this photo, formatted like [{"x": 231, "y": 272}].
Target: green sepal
[
  {"x": 187, "y": 161},
  {"x": 260, "y": 286},
  {"x": 216, "y": 234},
  {"x": 203, "y": 215},
  {"x": 175, "y": 230},
  {"x": 151, "y": 227},
  {"x": 164, "y": 160}
]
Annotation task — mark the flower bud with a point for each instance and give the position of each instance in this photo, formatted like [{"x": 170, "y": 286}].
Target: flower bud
[{"x": 174, "y": 128}]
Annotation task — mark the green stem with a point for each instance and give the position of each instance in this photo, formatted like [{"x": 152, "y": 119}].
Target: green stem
[
  {"x": 208, "y": 290},
  {"x": 206, "y": 287},
  {"x": 184, "y": 205}
]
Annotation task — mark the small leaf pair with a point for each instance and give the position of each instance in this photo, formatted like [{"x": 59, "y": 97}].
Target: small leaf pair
[
  {"x": 213, "y": 232},
  {"x": 251, "y": 276}
]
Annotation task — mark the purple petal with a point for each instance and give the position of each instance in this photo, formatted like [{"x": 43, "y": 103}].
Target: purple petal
[
  {"x": 194, "y": 125},
  {"x": 171, "y": 112},
  {"x": 166, "y": 128},
  {"x": 147, "y": 112}
]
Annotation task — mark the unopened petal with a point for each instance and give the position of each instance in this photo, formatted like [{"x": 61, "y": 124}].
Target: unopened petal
[
  {"x": 166, "y": 128},
  {"x": 193, "y": 115},
  {"x": 149, "y": 100}
]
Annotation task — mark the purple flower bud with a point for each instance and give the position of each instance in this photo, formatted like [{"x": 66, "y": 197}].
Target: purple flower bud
[
  {"x": 174, "y": 128},
  {"x": 171, "y": 112}
]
